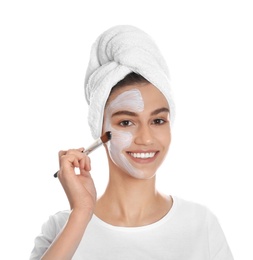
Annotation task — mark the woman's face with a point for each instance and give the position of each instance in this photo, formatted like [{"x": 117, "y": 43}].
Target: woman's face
[{"x": 138, "y": 117}]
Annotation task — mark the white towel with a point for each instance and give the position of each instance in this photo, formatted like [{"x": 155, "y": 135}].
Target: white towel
[{"x": 117, "y": 52}]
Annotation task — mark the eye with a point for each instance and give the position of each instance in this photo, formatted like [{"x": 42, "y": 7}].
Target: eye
[
  {"x": 125, "y": 123},
  {"x": 158, "y": 121}
]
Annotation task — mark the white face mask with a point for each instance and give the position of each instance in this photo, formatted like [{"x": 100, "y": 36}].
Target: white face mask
[{"x": 130, "y": 100}]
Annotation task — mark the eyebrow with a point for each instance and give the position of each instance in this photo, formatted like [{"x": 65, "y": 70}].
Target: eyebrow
[
  {"x": 130, "y": 113},
  {"x": 124, "y": 112},
  {"x": 160, "y": 110}
]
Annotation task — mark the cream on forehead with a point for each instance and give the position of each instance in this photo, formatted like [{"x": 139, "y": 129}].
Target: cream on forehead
[{"x": 129, "y": 100}]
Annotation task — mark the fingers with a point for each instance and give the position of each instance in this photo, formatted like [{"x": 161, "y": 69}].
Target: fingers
[
  {"x": 74, "y": 158},
  {"x": 64, "y": 152},
  {"x": 85, "y": 164}
]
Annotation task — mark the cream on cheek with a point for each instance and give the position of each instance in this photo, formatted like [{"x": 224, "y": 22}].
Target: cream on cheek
[{"x": 121, "y": 139}]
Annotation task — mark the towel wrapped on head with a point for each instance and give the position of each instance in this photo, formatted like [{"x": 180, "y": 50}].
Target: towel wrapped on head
[{"x": 116, "y": 53}]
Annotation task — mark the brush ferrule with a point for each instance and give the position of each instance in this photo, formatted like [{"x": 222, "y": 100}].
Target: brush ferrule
[{"x": 95, "y": 145}]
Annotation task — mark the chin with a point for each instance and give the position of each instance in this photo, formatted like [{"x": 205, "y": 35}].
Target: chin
[{"x": 140, "y": 175}]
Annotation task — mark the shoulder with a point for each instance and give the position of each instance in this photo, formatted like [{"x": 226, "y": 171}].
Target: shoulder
[
  {"x": 199, "y": 219},
  {"x": 195, "y": 216},
  {"x": 55, "y": 222},
  {"x": 188, "y": 205},
  {"x": 198, "y": 216},
  {"x": 49, "y": 231},
  {"x": 192, "y": 210}
]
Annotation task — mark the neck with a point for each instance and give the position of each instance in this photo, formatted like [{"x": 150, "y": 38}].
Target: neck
[
  {"x": 132, "y": 193},
  {"x": 131, "y": 202}
]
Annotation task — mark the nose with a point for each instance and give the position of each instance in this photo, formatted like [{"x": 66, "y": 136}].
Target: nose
[{"x": 144, "y": 136}]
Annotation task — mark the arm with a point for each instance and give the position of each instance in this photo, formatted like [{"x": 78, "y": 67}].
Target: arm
[
  {"x": 66, "y": 243},
  {"x": 81, "y": 194}
]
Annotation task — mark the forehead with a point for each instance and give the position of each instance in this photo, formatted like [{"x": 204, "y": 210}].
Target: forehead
[
  {"x": 148, "y": 93},
  {"x": 129, "y": 100}
]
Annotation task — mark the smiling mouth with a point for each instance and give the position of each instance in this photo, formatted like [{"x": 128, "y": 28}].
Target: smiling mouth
[{"x": 142, "y": 155}]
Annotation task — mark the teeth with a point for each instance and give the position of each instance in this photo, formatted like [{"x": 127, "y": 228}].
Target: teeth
[{"x": 143, "y": 155}]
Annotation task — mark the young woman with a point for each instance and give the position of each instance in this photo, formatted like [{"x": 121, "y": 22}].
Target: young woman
[{"x": 132, "y": 219}]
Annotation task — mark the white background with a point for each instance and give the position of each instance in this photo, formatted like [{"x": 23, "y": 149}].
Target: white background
[{"x": 44, "y": 52}]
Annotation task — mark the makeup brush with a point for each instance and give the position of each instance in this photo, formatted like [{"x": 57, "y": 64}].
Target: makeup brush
[{"x": 102, "y": 140}]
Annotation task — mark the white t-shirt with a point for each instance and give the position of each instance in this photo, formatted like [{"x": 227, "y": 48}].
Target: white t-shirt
[{"x": 188, "y": 232}]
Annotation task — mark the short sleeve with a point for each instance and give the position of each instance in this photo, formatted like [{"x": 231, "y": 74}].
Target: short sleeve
[
  {"x": 49, "y": 231},
  {"x": 218, "y": 246}
]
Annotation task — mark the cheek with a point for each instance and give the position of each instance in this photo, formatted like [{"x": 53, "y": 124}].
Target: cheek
[
  {"x": 165, "y": 137},
  {"x": 120, "y": 141}
]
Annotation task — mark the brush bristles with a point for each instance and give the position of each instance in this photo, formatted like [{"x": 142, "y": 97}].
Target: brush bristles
[{"x": 106, "y": 136}]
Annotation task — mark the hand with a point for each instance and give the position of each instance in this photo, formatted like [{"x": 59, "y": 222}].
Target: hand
[{"x": 79, "y": 188}]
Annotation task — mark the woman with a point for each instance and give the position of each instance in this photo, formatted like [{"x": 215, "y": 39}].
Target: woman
[{"x": 132, "y": 219}]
